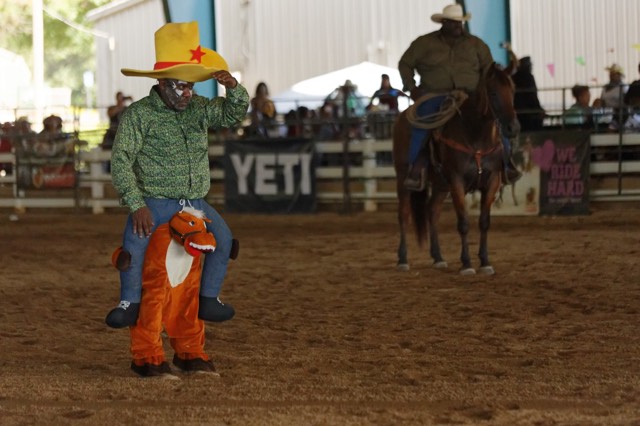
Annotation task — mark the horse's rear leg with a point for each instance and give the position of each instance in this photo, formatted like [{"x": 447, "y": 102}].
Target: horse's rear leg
[{"x": 434, "y": 208}]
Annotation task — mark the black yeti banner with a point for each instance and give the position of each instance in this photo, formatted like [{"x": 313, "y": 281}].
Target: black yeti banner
[
  {"x": 270, "y": 176},
  {"x": 563, "y": 158}
]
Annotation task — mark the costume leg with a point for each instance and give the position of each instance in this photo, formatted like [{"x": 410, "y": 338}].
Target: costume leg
[
  {"x": 146, "y": 341},
  {"x": 215, "y": 267},
  {"x": 185, "y": 330}
]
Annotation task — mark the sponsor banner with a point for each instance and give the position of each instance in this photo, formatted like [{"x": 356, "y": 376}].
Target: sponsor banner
[
  {"x": 555, "y": 176},
  {"x": 270, "y": 176},
  {"x": 563, "y": 159}
]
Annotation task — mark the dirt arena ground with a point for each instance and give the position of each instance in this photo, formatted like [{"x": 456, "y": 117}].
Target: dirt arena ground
[{"x": 327, "y": 332}]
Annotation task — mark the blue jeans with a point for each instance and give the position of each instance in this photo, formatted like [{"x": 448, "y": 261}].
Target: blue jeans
[
  {"x": 419, "y": 135},
  {"x": 215, "y": 264}
]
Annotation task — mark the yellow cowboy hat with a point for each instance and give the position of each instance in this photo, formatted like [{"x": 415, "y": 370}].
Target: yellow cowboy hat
[{"x": 180, "y": 56}]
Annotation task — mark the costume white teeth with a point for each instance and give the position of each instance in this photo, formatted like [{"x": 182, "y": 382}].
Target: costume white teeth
[{"x": 202, "y": 248}]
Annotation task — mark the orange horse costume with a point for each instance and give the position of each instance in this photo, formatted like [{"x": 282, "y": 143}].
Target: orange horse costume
[{"x": 170, "y": 289}]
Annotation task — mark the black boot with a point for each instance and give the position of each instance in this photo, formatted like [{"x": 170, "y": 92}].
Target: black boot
[
  {"x": 416, "y": 178},
  {"x": 511, "y": 172},
  {"x": 213, "y": 310},
  {"x": 124, "y": 315}
]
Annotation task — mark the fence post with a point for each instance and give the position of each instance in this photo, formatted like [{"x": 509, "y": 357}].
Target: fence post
[
  {"x": 97, "y": 186},
  {"x": 370, "y": 182}
]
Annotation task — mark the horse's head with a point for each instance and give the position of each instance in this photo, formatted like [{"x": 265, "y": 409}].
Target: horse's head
[
  {"x": 188, "y": 228},
  {"x": 497, "y": 86}
]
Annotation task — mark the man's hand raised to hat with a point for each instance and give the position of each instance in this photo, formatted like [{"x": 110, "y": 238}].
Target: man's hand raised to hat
[{"x": 225, "y": 78}]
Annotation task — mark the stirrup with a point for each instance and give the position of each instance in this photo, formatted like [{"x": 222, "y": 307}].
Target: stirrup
[
  {"x": 511, "y": 173},
  {"x": 415, "y": 184}
]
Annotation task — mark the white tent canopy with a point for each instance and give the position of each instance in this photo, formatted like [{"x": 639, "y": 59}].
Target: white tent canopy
[{"x": 312, "y": 92}]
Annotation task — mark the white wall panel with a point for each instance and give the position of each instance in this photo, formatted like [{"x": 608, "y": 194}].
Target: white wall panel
[
  {"x": 282, "y": 42},
  {"x": 560, "y": 31},
  {"x": 132, "y": 24}
]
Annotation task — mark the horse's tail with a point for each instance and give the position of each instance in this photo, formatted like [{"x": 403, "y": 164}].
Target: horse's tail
[{"x": 419, "y": 215}]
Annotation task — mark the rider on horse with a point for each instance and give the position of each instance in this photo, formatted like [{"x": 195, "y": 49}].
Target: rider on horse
[{"x": 447, "y": 59}]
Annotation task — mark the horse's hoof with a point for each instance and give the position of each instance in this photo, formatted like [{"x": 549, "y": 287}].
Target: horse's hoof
[
  {"x": 402, "y": 267},
  {"x": 487, "y": 270},
  {"x": 467, "y": 271},
  {"x": 441, "y": 265}
]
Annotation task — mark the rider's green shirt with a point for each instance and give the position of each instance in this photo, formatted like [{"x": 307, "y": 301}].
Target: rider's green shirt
[
  {"x": 443, "y": 67},
  {"x": 162, "y": 153}
]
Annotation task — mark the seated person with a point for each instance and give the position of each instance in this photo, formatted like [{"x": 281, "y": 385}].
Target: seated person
[{"x": 580, "y": 114}]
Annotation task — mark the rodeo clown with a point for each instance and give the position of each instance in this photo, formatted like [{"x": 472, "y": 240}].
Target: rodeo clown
[{"x": 160, "y": 162}]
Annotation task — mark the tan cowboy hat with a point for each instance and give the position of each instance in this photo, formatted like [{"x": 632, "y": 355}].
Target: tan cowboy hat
[
  {"x": 453, "y": 12},
  {"x": 180, "y": 56},
  {"x": 615, "y": 68}
]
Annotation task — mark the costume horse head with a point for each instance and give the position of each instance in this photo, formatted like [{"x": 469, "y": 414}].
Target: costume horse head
[
  {"x": 466, "y": 155},
  {"x": 188, "y": 228}
]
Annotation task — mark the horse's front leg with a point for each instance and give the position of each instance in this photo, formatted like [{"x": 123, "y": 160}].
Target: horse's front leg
[
  {"x": 488, "y": 198},
  {"x": 457, "y": 197},
  {"x": 404, "y": 211},
  {"x": 434, "y": 208}
]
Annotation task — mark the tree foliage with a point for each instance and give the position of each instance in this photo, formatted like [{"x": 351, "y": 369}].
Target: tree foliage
[{"x": 68, "y": 52}]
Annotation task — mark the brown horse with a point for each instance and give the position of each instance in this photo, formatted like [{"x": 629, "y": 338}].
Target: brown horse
[{"x": 466, "y": 155}]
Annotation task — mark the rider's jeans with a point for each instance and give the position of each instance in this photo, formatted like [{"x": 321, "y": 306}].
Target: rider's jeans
[{"x": 215, "y": 263}]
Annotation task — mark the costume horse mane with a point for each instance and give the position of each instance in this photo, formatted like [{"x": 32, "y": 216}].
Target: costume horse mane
[{"x": 466, "y": 155}]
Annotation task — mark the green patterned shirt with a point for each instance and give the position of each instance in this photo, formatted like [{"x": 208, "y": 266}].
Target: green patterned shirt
[{"x": 162, "y": 153}]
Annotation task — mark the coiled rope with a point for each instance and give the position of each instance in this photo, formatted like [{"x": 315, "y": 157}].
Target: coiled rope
[{"x": 450, "y": 106}]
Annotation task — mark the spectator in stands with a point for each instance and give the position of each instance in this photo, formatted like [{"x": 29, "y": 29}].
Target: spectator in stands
[
  {"x": 327, "y": 128},
  {"x": 298, "y": 123},
  {"x": 115, "y": 114},
  {"x": 632, "y": 100},
  {"x": 530, "y": 112},
  {"x": 348, "y": 105},
  {"x": 6, "y": 146},
  {"x": 23, "y": 135},
  {"x": 580, "y": 114},
  {"x": 612, "y": 97},
  {"x": 22, "y": 127},
  {"x": 632, "y": 97},
  {"x": 263, "y": 113},
  {"x": 52, "y": 141},
  {"x": 632, "y": 124},
  {"x": 51, "y": 128},
  {"x": 387, "y": 97}
]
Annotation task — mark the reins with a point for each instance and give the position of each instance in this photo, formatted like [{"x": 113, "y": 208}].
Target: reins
[{"x": 180, "y": 235}]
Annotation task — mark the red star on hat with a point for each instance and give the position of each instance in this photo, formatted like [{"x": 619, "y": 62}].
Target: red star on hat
[{"x": 197, "y": 54}]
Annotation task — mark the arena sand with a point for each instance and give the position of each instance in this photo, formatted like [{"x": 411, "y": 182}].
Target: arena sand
[{"x": 327, "y": 332}]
